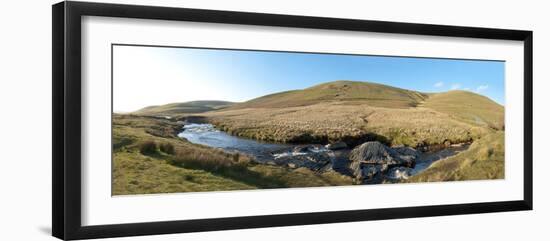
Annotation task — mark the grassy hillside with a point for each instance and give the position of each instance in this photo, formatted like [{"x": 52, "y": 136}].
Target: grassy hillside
[
  {"x": 184, "y": 108},
  {"x": 483, "y": 160},
  {"x": 352, "y": 91},
  {"x": 358, "y": 111},
  {"x": 149, "y": 158},
  {"x": 469, "y": 107}
]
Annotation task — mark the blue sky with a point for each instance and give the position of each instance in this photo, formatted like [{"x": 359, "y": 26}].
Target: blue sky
[{"x": 146, "y": 76}]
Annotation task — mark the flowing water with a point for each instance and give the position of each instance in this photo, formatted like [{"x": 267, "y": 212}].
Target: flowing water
[{"x": 208, "y": 135}]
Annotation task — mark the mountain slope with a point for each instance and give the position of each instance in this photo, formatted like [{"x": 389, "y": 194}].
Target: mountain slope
[
  {"x": 468, "y": 107},
  {"x": 191, "y": 107},
  {"x": 355, "y": 111},
  {"x": 351, "y": 91}
]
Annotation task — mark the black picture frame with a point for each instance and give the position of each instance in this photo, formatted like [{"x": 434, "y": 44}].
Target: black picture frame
[{"x": 66, "y": 127}]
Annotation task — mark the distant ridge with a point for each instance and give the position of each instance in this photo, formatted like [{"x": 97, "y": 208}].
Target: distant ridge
[{"x": 190, "y": 107}]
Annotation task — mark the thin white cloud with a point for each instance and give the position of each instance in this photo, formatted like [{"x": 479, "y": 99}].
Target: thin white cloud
[
  {"x": 439, "y": 84},
  {"x": 455, "y": 86},
  {"x": 466, "y": 89},
  {"x": 482, "y": 88}
]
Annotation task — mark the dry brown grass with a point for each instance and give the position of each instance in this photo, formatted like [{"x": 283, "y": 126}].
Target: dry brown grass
[{"x": 346, "y": 121}]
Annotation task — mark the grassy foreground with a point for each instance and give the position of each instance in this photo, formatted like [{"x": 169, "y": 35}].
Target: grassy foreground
[
  {"x": 149, "y": 158},
  {"x": 483, "y": 160}
]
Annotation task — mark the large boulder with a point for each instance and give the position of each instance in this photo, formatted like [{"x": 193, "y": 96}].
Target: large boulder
[
  {"x": 374, "y": 152},
  {"x": 372, "y": 159}
]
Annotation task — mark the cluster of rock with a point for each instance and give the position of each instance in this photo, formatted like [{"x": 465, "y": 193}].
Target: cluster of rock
[{"x": 372, "y": 160}]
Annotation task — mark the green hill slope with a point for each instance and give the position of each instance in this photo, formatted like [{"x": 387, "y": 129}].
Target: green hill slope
[
  {"x": 351, "y": 91},
  {"x": 191, "y": 107},
  {"x": 468, "y": 107}
]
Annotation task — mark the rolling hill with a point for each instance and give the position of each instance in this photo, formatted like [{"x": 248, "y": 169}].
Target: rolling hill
[
  {"x": 371, "y": 93},
  {"x": 191, "y": 107},
  {"x": 469, "y": 107},
  {"x": 355, "y": 111}
]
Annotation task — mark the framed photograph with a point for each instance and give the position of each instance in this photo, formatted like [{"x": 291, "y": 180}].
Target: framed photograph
[{"x": 169, "y": 120}]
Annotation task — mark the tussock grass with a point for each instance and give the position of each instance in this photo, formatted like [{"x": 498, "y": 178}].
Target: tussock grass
[
  {"x": 134, "y": 173},
  {"x": 231, "y": 166},
  {"x": 148, "y": 148},
  {"x": 167, "y": 148}
]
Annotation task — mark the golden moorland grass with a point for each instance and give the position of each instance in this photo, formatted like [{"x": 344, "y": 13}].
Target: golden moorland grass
[{"x": 347, "y": 121}]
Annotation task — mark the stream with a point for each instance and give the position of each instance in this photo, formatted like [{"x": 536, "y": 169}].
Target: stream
[
  {"x": 206, "y": 134},
  {"x": 313, "y": 156}
]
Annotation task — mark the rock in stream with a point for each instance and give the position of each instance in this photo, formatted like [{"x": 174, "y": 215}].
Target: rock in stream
[{"x": 370, "y": 161}]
